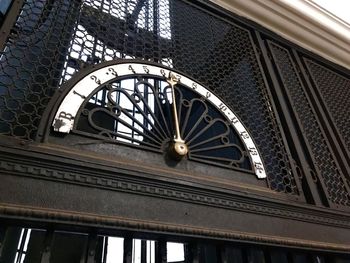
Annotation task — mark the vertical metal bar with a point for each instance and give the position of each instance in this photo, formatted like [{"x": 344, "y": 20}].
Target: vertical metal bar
[
  {"x": 268, "y": 256},
  {"x": 277, "y": 256},
  {"x": 300, "y": 258},
  {"x": 192, "y": 253},
  {"x": 161, "y": 253},
  {"x": 10, "y": 244},
  {"x": 134, "y": 109},
  {"x": 105, "y": 249},
  {"x": 117, "y": 100},
  {"x": 101, "y": 246},
  {"x": 45, "y": 257},
  {"x": 146, "y": 96},
  {"x": 127, "y": 255},
  {"x": 9, "y": 22},
  {"x": 230, "y": 254},
  {"x": 221, "y": 256},
  {"x": 156, "y": 18},
  {"x": 20, "y": 250},
  {"x": 256, "y": 255},
  {"x": 2, "y": 238},
  {"x": 91, "y": 249},
  {"x": 143, "y": 251},
  {"x": 245, "y": 255},
  {"x": 318, "y": 259},
  {"x": 156, "y": 27},
  {"x": 147, "y": 13}
]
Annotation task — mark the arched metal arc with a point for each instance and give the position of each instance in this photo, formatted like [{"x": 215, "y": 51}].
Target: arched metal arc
[{"x": 67, "y": 111}]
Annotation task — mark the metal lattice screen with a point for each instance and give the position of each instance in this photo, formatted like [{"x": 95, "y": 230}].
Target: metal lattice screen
[
  {"x": 335, "y": 91},
  {"x": 332, "y": 177},
  {"x": 53, "y": 40}
]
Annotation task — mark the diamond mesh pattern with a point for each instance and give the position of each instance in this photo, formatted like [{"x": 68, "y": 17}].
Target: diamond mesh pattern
[
  {"x": 324, "y": 160},
  {"x": 53, "y": 40},
  {"x": 335, "y": 91}
]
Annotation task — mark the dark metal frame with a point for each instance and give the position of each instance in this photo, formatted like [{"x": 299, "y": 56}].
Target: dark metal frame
[
  {"x": 320, "y": 119},
  {"x": 342, "y": 153},
  {"x": 49, "y": 115},
  {"x": 9, "y": 21},
  {"x": 52, "y": 178}
]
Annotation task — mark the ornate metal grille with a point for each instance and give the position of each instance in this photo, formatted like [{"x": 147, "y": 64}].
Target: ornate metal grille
[
  {"x": 32, "y": 62},
  {"x": 52, "y": 40},
  {"x": 138, "y": 110},
  {"x": 331, "y": 174},
  {"x": 222, "y": 57},
  {"x": 335, "y": 91}
]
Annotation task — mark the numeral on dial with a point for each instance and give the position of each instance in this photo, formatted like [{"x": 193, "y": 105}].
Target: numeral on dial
[
  {"x": 253, "y": 151},
  {"x": 245, "y": 135},
  {"x": 64, "y": 115},
  {"x": 222, "y": 107},
  {"x": 112, "y": 71},
  {"x": 259, "y": 167},
  {"x": 234, "y": 120},
  {"x": 97, "y": 81}
]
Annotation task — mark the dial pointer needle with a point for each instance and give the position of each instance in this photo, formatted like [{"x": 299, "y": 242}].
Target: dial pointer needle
[{"x": 179, "y": 144}]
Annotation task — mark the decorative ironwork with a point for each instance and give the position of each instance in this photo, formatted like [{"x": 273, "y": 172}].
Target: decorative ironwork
[
  {"x": 180, "y": 147},
  {"x": 335, "y": 91},
  {"x": 135, "y": 103},
  {"x": 53, "y": 40},
  {"x": 333, "y": 178}
]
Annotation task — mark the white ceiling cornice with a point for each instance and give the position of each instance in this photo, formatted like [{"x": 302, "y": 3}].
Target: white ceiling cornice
[{"x": 300, "y": 21}]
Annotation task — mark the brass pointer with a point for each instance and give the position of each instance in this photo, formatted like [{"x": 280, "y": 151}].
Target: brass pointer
[{"x": 180, "y": 146}]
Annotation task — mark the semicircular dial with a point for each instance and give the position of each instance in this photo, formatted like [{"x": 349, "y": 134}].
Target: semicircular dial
[{"x": 152, "y": 107}]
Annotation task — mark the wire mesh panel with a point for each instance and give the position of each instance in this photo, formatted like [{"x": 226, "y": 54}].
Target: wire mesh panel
[
  {"x": 52, "y": 40},
  {"x": 325, "y": 161},
  {"x": 32, "y": 62},
  {"x": 335, "y": 91},
  {"x": 221, "y": 55}
]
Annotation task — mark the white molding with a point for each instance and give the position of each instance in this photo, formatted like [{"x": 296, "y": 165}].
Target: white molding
[{"x": 300, "y": 21}]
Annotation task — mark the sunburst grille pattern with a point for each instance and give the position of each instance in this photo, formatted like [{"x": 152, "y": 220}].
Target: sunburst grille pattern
[{"x": 138, "y": 111}]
